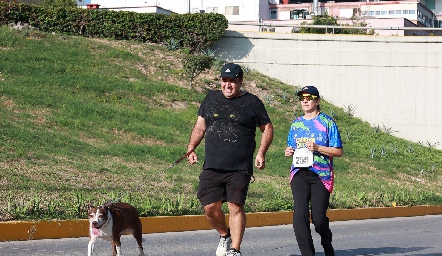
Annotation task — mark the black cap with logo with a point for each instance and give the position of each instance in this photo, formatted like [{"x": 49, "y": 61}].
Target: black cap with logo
[{"x": 232, "y": 70}]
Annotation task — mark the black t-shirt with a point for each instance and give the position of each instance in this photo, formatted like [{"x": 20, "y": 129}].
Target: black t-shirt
[{"x": 230, "y": 130}]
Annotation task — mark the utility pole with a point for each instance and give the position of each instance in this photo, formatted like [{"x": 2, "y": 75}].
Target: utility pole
[{"x": 315, "y": 7}]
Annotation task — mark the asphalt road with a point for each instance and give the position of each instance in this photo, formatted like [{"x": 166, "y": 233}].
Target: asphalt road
[{"x": 411, "y": 236}]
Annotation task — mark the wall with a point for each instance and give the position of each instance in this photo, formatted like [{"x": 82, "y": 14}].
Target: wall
[{"x": 391, "y": 81}]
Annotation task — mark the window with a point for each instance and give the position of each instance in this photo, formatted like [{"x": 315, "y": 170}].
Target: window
[
  {"x": 383, "y": 12},
  {"x": 412, "y": 12},
  {"x": 391, "y": 12},
  {"x": 323, "y": 10},
  {"x": 378, "y": 12},
  {"x": 273, "y": 14},
  {"x": 430, "y": 4},
  {"x": 212, "y": 9},
  {"x": 405, "y": 12},
  {"x": 398, "y": 11},
  {"x": 371, "y": 13},
  {"x": 232, "y": 10}
]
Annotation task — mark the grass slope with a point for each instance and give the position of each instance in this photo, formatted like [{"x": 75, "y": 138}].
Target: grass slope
[{"x": 87, "y": 120}]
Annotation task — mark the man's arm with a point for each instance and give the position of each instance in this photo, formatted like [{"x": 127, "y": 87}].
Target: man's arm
[
  {"x": 266, "y": 140},
  {"x": 196, "y": 137}
]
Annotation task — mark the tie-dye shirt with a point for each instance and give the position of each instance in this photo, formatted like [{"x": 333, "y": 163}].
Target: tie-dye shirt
[{"x": 323, "y": 131}]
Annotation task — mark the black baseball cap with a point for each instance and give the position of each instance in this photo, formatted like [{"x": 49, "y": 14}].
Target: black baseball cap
[
  {"x": 309, "y": 89},
  {"x": 231, "y": 70}
]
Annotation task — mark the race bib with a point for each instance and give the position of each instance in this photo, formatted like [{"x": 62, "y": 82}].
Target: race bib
[{"x": 302, "y": 158}]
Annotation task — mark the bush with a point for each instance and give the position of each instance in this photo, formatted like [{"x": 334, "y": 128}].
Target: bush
[
  {"x": 320, "y": 20},
  {"x": 195, "y": 31},
  {"x": 194, "y": 64},
  {"x": 330, "y": 21}
]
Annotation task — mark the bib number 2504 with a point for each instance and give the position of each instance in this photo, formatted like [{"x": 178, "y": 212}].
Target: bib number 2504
[{"x": 302, "y": 158}]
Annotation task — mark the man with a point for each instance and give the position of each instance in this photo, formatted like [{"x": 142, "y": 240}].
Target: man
[{"x": 228, "y": 118}]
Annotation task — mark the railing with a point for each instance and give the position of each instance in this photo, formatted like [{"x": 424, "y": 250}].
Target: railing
[
  {"x": 295, "y": 28},
  {"x": 298, "y": 27}
]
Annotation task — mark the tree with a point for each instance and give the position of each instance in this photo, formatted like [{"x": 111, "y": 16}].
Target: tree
[
  {"x": 320, "y": 20},
  {"x": 194, "y": 64},
  {"x": 333, "y": 22},
  {"x": 359, "y": 31}
]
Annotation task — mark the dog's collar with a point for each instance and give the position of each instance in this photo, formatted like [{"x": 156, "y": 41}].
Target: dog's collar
[{"x": 107, "y": 222}]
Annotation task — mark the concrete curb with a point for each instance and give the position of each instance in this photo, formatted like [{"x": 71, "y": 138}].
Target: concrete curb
[{"x": 22, "y": 230}]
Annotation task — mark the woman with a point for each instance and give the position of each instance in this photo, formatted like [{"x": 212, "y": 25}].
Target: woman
[{"x": 313, "y": 141}]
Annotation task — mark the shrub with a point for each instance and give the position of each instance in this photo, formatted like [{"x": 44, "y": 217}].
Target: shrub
[
  {"x": 194, "y": 64},
  {"x": 195, "y": 31},
  {"x": 331, "y": 21}
]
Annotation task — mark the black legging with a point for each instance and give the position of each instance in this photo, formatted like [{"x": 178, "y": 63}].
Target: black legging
[{"x": 308, "y": 187}]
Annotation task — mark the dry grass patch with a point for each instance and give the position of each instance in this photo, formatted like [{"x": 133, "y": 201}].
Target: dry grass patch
[
  {"x": 40, "y": 115},
  {"x": 125, "y": 137},
  {"x": 8, "y": 104}
]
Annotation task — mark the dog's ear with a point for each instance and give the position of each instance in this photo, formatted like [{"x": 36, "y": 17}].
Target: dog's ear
[
  {"x": 108, "y": 206},
  {"x": 89, "y": 206}
]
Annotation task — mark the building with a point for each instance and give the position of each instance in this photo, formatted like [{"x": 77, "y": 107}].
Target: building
[
  {"x": 118, "y": 5},
  {"x": 404, "y": 13},
  {"x": 434, "y": 5},
  {"x": 412, "y": 10},
  {"x": 408, "y": 14},
  {"x": 234, "y": 10}
]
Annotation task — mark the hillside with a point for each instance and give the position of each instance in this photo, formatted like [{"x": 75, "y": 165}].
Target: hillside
[{"x": 90, "y": 120}]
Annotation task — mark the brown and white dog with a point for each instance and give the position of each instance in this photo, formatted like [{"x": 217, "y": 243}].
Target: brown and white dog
[{"x": 110, "y": 221}]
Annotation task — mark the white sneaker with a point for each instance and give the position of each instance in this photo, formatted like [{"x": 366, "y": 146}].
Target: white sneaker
[
  {"x": 223, "y": 246},
  {"x": 233, "y": 252}
]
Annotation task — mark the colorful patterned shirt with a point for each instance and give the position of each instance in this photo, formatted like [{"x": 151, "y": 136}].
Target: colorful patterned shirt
[{"x": 323, "y": 131}]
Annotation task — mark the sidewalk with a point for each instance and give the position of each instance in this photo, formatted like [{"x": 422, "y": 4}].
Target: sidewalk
[{"x": 23, "y": 230}]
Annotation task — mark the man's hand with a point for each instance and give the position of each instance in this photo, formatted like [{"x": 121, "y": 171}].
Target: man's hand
[
  {"x": 192, "y": 158},
  {"x": 260, "y": 162}
]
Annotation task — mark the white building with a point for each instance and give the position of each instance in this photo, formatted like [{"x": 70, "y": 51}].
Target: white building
[
  {"x": 383, "y": 13},
  {"x": 234, "y": 10},
  {"x": 434, "y": 5}
]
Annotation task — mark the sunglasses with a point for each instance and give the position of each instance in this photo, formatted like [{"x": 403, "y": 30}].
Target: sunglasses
[{"x": 307, "y": 97}]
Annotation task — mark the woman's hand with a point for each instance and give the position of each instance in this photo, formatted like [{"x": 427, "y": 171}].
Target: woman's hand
[
  {"x": 328, "y": 151},
  {"x": 311, "y": 146}
]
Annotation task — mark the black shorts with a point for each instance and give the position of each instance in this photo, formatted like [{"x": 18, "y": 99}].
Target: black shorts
[{"x": 221, "y": 185}]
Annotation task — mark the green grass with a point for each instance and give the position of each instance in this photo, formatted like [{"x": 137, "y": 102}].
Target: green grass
[{"x": 87, "y": 120}]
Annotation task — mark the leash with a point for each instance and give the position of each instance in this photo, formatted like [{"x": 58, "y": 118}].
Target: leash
[{"x": 160, "y": 173}]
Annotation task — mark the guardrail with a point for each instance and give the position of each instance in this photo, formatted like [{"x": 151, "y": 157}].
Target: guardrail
[
  {"x": 270, "y": 27},
  {"x": 369, "y": 28}
]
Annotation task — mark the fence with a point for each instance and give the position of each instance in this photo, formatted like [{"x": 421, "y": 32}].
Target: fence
[{"x": 295, "y": 27}]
